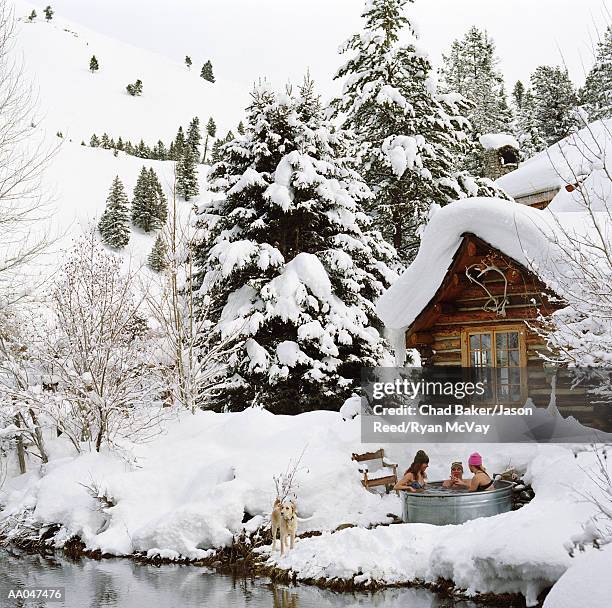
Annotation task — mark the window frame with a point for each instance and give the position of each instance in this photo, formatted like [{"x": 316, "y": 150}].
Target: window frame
[{"x": 492, "y": 330}]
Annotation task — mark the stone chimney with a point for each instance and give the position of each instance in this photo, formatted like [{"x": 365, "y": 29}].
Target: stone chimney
[{"x": 500, "y": 154}]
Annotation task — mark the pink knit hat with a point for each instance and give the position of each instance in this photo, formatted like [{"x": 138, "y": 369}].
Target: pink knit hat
[{"x": 475, "y": 460}]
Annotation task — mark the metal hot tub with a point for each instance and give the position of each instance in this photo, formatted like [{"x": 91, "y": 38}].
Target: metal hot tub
[{"x": 441, "y": 506}]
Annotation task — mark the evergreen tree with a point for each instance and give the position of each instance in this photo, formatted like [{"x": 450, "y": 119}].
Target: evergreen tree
[
  {"x": 216, "y": 151},
  {"x": 157, "y": 259},
  {"x": 291, "y": 267},
  {"x": 178, "y": 145},
  {"x": 114, "y": 224},
  {"x": 161, "y": 204},
  {"x": 120, "y": 144},
  {"x": 105, "y": 141},
  {"x": 187, "y": 174},
  {"x": 94, "y": 142},
  {"x": 470, "y": 69},
  {"x": 134, "y": 89},
  {"x": 188, "y": 62},
  {"x": 412, "y": 139},
  {"x": 48, "y": 13},
  {"x": 207, "y": 72},
  {"x": 149, "y": 208},
  {"x": 596, "y": 94},
  {"x": 211, "y": 131},
  {"x": 518, "y": 94},
  {"x": 160, "y": 151},
  {"x": 143, "y": 150},
  {"x": 526, "y": 129},
  {"x": 240, "y": 128},
  {"x": 93, "y": 64},
  {"x": 32, "y": 16},
  {"x": 554, "y": 104},
  {"x": 194, "y": 137}
]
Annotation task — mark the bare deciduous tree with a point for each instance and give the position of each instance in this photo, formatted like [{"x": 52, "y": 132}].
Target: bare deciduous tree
[
  {"x": 99, "y": 353},
  {"x": 24, "y": 155},
  {"x": 195, "y": 360}
]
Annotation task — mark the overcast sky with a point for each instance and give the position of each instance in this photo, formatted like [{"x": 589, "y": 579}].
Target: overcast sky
[{"x": 280, "y": 39}]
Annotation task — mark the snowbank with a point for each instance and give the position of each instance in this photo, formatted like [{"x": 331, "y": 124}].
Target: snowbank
[
  {"x": 587, "y": 582},
  {"x": 191, "y": 489}
]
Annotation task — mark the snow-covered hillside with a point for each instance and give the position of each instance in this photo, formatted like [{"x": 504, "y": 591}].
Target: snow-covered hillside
[{"x": 76, "y": 103}]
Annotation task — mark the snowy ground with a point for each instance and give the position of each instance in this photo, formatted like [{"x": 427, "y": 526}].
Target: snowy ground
[{"x": 188, "y": 491}]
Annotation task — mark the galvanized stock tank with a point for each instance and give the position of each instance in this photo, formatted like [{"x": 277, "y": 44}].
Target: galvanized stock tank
[{"x": 441, "y": 506}]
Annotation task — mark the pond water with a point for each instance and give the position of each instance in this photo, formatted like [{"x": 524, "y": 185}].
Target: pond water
[{"x": 122, "y": 583}]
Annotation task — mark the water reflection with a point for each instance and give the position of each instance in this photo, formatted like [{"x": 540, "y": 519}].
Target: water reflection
[{"x": 122, "y": 583}]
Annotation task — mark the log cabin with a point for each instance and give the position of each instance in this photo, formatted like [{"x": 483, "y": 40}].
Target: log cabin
[{"x": 481, "y": 281}]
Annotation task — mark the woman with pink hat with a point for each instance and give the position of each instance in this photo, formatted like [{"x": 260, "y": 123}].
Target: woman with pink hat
[{"x": 482, "y": 480}]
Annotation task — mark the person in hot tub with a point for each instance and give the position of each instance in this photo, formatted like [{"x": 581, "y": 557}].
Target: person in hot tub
[
  {"x": 415, "y": 477},
  {"x": 482, "y": 480},
  {"x": 456, "y": 475}
]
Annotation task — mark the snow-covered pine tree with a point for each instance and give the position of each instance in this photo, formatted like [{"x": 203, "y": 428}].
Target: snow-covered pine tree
[
  {"x": 518, "y": 94},
  {"x": 144, "y": 207},
  {"x": 48, "y": 13},
  {"x": 290, "y": 265},
  {"x": 240, "y": 128},
  {"x": 412, "y": 139},
  {"x": 134, "y": 89},
  {"x": 554, "y": 104},
  {"x": 596, "y": 95},
  {"x": 188, "y": 62},
  {"x": 471, "y": 70},
  {"x": 216, "y": 151},
  {"x": 211, "y": 132},
  {"x": 159, "y": 151},
  {"x": 142, "y": 150},
  {"x": 161, "y": 203},
  {"x": 178, "y": 145},
  {"x": 94, "y": 142},
  {"x": 105, "y": 141},
  {"x": 207, "y": 72},
  {"x": 193, "y": 136},
  {"x": 32, "y": 16},
  {"x": 114, "y": 224},
  {"x": 187, "y": 174},
  {"x": 157, "y": 259},
  {"x": 94, "y": 66},
  {"x": 525, "y": 124}
]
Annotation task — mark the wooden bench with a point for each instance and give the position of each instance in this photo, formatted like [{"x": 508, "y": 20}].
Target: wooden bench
[{"x": 380, "y": 476}]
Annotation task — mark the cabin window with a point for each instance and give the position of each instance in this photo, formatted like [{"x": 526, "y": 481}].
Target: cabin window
[{"x": 502, "y": 352}]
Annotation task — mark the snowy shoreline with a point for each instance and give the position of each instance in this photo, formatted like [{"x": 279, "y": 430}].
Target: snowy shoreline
[{"x": 187, "y": 494}]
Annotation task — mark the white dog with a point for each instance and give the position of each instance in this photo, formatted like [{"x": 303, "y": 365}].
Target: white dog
[{"x": 284, "y": 520}]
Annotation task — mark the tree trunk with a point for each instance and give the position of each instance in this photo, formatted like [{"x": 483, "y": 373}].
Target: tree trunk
[{"x": 20, "y": 450}]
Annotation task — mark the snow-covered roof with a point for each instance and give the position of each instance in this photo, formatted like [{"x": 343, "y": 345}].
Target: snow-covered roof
[
  {"x": 495, "y": 141},
  {"x": 523, "y": 233},
  {"x": 566, "y": 162}
]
